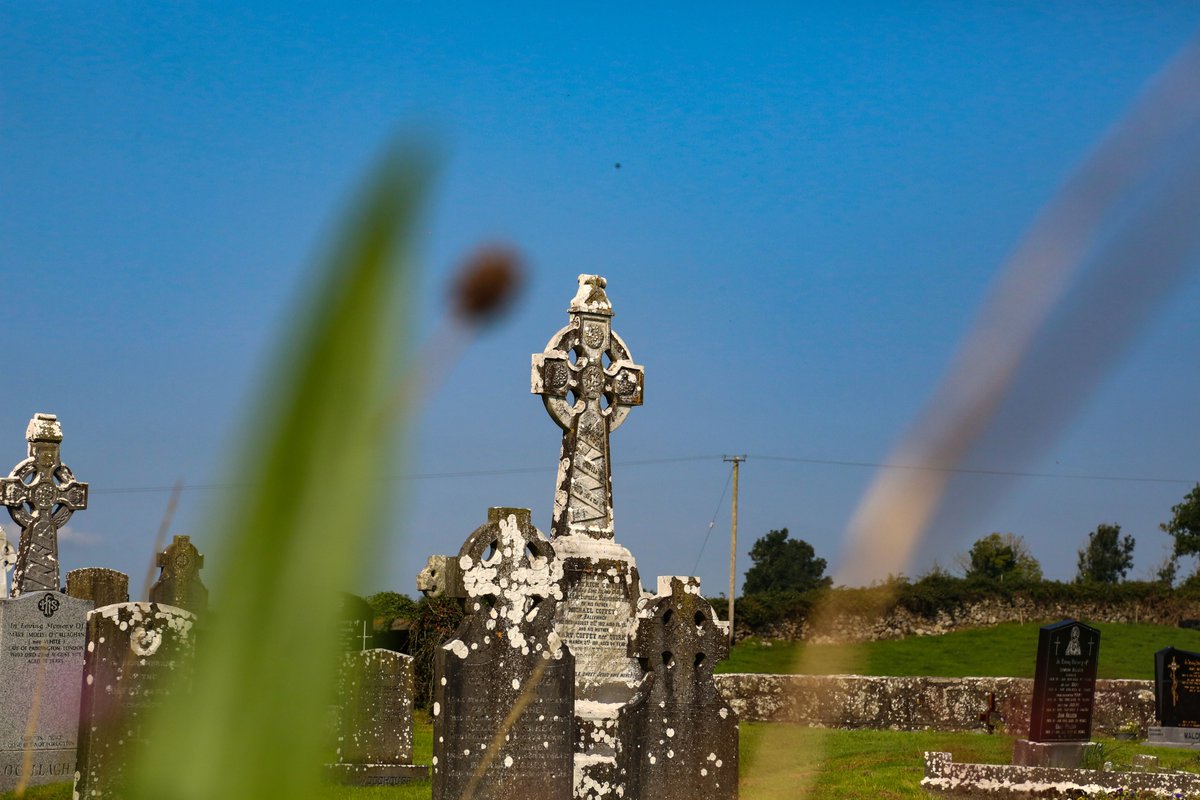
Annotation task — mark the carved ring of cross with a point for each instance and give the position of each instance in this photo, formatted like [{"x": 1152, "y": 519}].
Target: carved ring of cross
[
  {"x": 49, "y": 489},
  {"x": 554, "y": 375}
]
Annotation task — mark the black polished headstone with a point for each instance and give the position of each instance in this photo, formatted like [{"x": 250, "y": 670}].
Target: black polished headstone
[
  {"x": 1177, "y": 688},
  {"x": 357, "y": 624},
  {"x": 137, "y": 655},
  {"x": 41, "y": 669},
  {"x": 1064, "y": 682},
  {"x": 504, "y": 690}
]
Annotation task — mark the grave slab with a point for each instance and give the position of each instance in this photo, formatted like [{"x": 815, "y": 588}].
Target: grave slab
[{"x": 41, "y": 669}]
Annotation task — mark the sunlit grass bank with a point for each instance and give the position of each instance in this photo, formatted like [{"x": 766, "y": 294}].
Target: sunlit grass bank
[
  {"x": 886, "y": 764},
  {"x": 1007, "y": 650}
]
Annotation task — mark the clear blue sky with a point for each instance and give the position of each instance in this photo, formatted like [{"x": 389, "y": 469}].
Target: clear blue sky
[{"x": 809, "y": 208}]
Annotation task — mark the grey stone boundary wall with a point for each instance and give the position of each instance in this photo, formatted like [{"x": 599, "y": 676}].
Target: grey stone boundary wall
[
  {"x": 899, "y": 622},
  {"x": 919, "y": 703}
]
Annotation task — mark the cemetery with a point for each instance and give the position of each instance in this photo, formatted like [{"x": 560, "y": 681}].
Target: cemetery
[{"x": 564, "y": 677}]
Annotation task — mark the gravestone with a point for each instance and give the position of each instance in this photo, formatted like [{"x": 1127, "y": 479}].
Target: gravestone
[
  {"x": 41, "y": 495},
  {"x": 588, "y": 383},
  {"x": 680, "y": 736},
  {"x": 8, "y": 559},
  {"x": 357, "y": 625},
  {"x": 41, "y": 669},
  {"x": 374, "y": 736},
  {"x": 100, "y": 585},
  {"x": 504, "y": 691},
  {"x": 1064, "y": 684},
  {"x": 137, "y": 655},
  {"x": 179, "y": 581},
  {"x": 1176, "y": 698}
]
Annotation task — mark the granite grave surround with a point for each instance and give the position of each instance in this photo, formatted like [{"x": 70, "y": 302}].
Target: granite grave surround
[
  {"x": 943, "y": 776},
  {"x": 375, "y": 726}
]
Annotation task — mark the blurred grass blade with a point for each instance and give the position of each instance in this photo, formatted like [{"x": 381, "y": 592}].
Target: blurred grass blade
[{"x": 256, "y": 724}]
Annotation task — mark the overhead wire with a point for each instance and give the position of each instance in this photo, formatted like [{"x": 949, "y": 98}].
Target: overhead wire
[{"x": 712, "y": 523}]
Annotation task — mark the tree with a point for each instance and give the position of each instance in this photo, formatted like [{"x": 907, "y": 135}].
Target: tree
[
  {"x": 392, "y": 605},
  {"x": 1107, "y": 556},
  {"x": 1001, "y": 557},
  {"x": 782, "y": 564},
  {"x": 1185, "y": 524}
]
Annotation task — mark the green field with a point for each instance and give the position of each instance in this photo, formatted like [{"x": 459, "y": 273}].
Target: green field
[
  {"x": 777, "y": 759},
  {"x": 1006, "y": 650}
]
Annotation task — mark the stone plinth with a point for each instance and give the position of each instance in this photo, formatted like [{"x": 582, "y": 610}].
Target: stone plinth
[
  {"x": 1050, "y": 754},
  {"x": 1162, "y": 736}
]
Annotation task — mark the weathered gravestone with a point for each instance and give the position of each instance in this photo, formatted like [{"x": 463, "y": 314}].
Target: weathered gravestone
[
  {"x": 179, "y": 581},
  {"x": 137, "y": 655},
  {"x": 588, "y": 383},
  {"x": 681, "y": 737},
  {"x": 374, "y": 732},
  {"x": 503, "y": 711},
  {"x": 100, "y": 585},
  {"x": 441, "y": 577},
  {"x": 41, "y": 668},
  {"x": 1064, "y": 684},
  {"x": 1176, "y": 698},
  {"x": 41, "y": 495}
]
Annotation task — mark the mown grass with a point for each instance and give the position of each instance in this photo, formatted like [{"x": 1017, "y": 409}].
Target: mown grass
[
  {"x": 1009, "y": 649},
  {"x": 777, "y": 758}
]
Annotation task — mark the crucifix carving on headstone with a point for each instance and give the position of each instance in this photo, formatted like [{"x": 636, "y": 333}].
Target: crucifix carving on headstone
[
  {"x": 41, "y": 495},
  {"x": 589, "y": 399}
]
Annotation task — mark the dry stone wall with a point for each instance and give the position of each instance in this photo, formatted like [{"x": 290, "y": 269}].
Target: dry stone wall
[
  {"x": 900, "y": 622},
  {"x": 920, "y": 703}
]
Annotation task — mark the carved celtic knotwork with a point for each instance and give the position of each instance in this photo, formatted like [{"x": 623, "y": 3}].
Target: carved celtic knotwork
[
  {"x": 588, "y": 401},
  {"x": 41, "y": 494}
]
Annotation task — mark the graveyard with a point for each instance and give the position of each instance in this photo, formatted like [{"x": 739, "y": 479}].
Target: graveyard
[{"x": 565, "y": 677}]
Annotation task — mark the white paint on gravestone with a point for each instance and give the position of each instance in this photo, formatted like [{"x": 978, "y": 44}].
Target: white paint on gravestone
[{"x": 42, "y": 638}]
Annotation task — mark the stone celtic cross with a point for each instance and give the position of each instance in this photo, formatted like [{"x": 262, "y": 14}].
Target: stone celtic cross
[
  {"x": 41, "y": 495},
  {"x": 588, "y": 382}
]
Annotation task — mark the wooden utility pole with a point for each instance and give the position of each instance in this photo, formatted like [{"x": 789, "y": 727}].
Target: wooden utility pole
[{"x": 737, "y": 460}]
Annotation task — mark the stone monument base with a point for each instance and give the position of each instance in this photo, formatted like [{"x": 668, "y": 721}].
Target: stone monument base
[
  {"x": 1162, "y": 736},
  {"x": 1050, "y": 754},
  {"x": 376, "y": 774},
  {"x": 49, "y": 766}
]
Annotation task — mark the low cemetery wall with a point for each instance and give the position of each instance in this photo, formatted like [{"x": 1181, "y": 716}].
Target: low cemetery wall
[
  {"x": 899, "y": 622},
  {"x": 921, "y": 703}
]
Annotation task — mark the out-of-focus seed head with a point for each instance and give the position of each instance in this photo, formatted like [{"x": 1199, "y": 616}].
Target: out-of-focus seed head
[{"x": 487, "y": 284}]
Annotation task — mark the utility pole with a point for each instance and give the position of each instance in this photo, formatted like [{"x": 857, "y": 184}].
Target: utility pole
[{"x": 737, "y": 460}]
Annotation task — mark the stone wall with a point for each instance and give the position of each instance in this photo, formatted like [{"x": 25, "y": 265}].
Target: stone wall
[
  {"x": 900, "y": 622},
  {"x": 919, "y": 703}
]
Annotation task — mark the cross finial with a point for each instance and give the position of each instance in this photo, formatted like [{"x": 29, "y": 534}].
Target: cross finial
[{"x": 588, "y": 382}]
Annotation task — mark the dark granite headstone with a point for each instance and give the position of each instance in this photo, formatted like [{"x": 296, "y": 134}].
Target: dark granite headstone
[
  {"x": 41, "y": 495},
  {"x": 1177, "y": 688},
  {"x": 357, "y": 624},
  {"x": 179, "y": 581},
  {"x": 374, "y": 742},
  {"x": 137, "y": 654},
  {"x": 504, "y": 691},
  {"x": 1064, "y": 682},
  {"x": 679, "y": 737},
  {"x": 100, "y": 585},
  {"x": 41, "y": 669}
]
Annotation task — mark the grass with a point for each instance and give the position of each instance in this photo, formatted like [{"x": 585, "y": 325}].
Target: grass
[
  {"x": 776, "y": 758},
  {"x": 1009, "y": 649}
]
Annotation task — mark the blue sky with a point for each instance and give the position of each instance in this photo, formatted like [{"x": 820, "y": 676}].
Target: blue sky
[{"x": 809, "y": 209}]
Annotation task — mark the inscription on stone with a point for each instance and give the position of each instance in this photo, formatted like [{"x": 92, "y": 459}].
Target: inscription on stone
[
  {"x": 1064, "y": 682},
  {"x": 41, "y": 668},
  {"x": 1177, "y": 688}
]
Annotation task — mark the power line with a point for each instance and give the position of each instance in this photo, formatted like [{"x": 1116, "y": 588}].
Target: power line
[
  {"x": 712, "y": 523},
  {"x": 483, "y": 473}
]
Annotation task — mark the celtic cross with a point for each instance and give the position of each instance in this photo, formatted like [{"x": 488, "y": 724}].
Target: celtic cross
[
  {"x": 589, "y": 399},
  {"x": 41, "y": 495}
]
